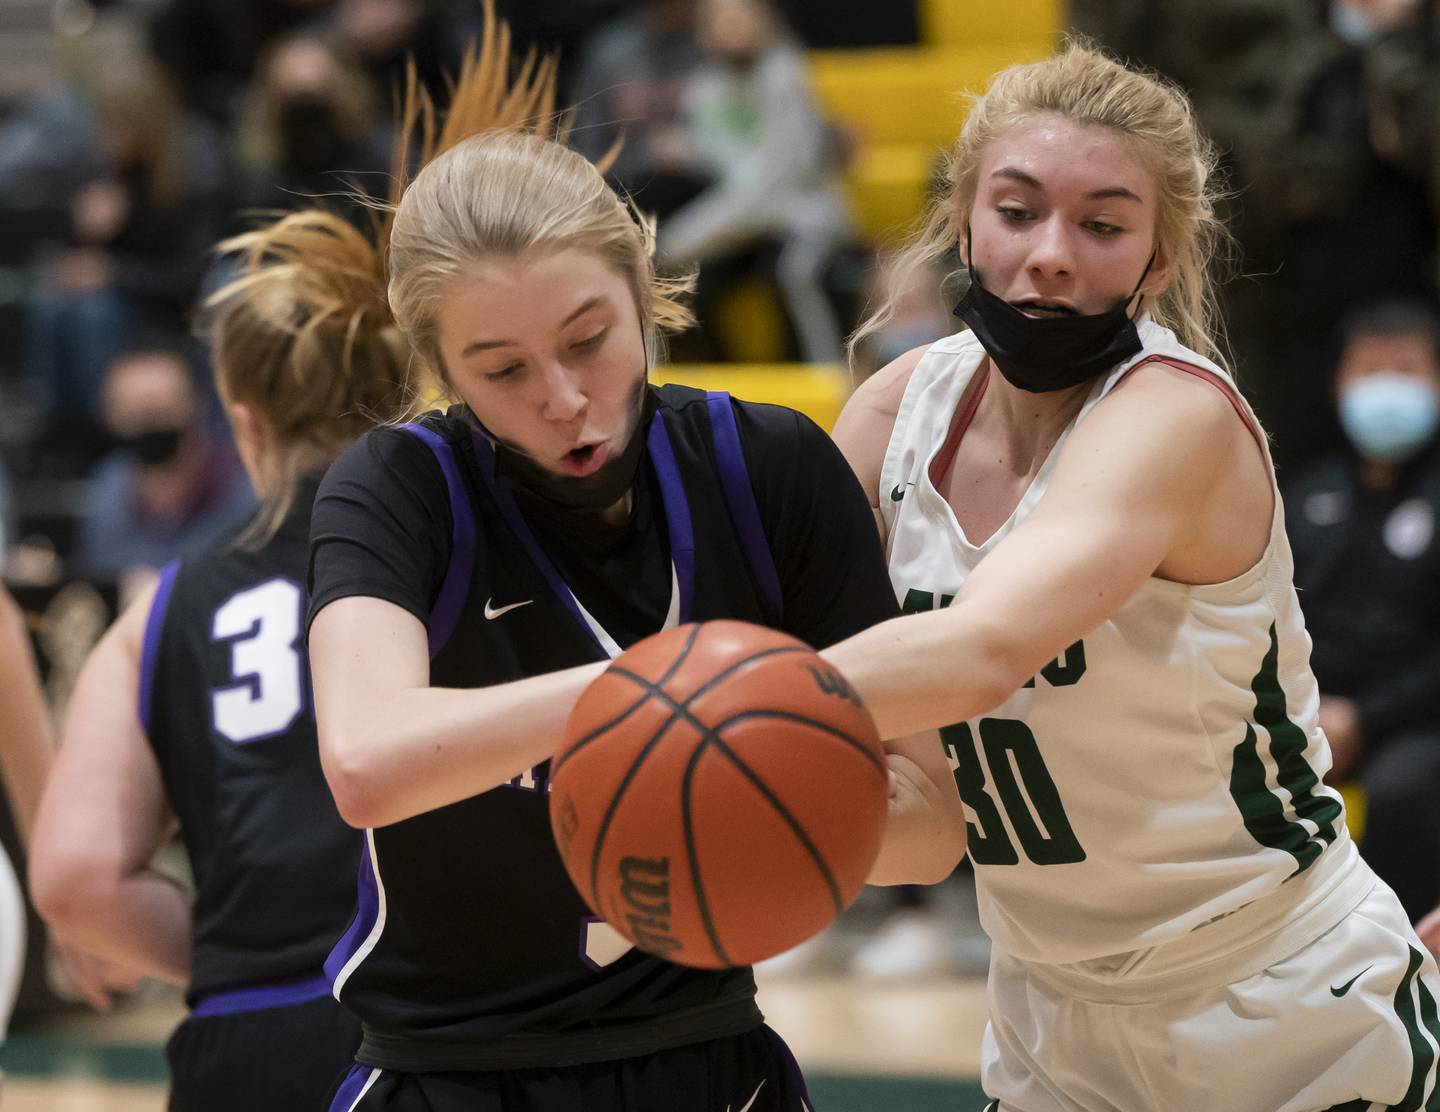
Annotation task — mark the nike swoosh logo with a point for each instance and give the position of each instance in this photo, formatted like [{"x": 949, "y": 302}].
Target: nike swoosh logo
[
  {"x": 493, "y": 612},
  {"x": 899, "y": 491},
  {"x": 753, "y": 1098},
  {"x": 1348, "y": 985}
]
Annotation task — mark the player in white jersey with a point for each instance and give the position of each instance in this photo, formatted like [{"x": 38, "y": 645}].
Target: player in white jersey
[{"x": 1083, "y": 510}]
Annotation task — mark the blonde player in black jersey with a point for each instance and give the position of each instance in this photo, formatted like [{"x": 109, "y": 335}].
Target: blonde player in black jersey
[
  {"x": 1081, "y": 510},
  {"x": 561, "y": 510}
]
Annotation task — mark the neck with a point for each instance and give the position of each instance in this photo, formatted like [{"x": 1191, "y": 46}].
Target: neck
[{"x": 1028, "y": 424}]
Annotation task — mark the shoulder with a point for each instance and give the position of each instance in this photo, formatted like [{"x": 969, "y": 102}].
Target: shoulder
[
  {"x": 865, "y": 425},
  {"x": 879, "y": 396},
  {"x": 392, "y": 450},
  {"x": 1198, "y": 408}
]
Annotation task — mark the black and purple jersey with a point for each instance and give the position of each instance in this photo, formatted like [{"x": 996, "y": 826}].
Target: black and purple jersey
[
  {"x": 225, "y": 703},
  {"x": 472, "y": 950}
]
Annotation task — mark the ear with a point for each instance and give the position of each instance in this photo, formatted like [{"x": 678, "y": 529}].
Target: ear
[{"x": 1161, "y": 273}]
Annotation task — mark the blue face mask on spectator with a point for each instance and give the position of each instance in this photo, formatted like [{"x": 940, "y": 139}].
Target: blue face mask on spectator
[
  {"x": 1389, "y": 416},
  {"x": 1351, "y": 25}
]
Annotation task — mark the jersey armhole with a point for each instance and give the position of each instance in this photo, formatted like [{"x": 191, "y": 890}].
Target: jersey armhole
[
  {"x": 1230, "y": 393},
  {"x": 740, "y": 500},
  {"x": 150, "y": 643},
  {"x": 455, "y": 587}
]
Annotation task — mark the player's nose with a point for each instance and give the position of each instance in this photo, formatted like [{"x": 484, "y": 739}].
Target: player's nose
[
  {"x": 1052, "y": 253},
  {"x": 564, "y": 398}
]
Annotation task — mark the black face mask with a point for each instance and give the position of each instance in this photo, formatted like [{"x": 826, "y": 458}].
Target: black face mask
[
  {"x": 152, "y": 447},
  {"x": 566, "y": 495},
  {"x": 1043, "y": 354}
]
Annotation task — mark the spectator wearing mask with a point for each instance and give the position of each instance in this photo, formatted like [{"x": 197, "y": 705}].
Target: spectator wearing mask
[
  {"x": 311, "y": 130},
  {"x": 139, "y": 243},
  {"x": 169, "y": 488},
  {"x": 1363, "y": 526}
]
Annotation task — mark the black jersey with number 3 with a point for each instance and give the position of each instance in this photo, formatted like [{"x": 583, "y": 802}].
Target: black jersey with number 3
[
  {"x": 225, "y": 702},
  {"x": 472, "y": 950}
]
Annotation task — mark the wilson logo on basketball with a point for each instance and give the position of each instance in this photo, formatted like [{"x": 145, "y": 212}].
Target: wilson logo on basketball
[
  {"x": 645, "y": 891},
  {"x": 566, "y": 823},
  {"x": 831, "y": 682}
]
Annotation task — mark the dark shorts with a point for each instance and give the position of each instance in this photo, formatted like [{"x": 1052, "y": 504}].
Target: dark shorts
[
  {"x": 753, "y": 1072},
  {"x": 270, "y": 1060}
]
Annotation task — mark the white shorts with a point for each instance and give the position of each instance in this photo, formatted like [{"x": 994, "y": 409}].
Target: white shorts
[
  {"x": 12, "y": 940},
  {"x": 1347, "y": 1022}
]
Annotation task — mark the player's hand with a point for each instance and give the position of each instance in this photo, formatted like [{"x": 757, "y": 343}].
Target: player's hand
[
  {"x": 1429, "y": 931},
  {"x": 1340, "y": 719},
  {"x": 91, "y": 979}
]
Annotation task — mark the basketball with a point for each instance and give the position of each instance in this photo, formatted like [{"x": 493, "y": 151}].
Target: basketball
[{"x": 720, "y": 795}]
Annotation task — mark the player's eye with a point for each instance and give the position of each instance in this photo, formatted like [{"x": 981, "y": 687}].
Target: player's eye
[
  {"x": 503, "y": 373},
  {"x": 591, "y": 343},
  {"x": 1101, "y": 228},
  {"x": 1013, "y": 214}
]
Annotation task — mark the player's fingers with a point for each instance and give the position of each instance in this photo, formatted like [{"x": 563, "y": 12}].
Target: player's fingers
[{"x": 84, "y": 976}]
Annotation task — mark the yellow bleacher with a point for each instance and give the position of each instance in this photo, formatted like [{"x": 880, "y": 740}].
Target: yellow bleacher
[
  {"x": 904, "y": 106},
  {"x": 817, "y": 390}
]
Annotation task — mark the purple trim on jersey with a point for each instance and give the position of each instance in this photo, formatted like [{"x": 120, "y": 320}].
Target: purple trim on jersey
[
  {"x": 257, "y": 998},
  {"x": 445, "y": 614},
  {"x": 351, "y": 1088},
  {"x": 150, "y": 646},
  {"x": 740, "y": 497},
  {"x": 677, "y": 515},
  {"x": 367, "y": 911}
]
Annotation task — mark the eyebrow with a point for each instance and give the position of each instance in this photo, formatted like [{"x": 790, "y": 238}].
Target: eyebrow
[
  {"x": 485, "y": 345},
  {"x": 1113, "y": 191}
]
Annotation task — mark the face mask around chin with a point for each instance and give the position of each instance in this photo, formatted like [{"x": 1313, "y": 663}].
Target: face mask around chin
[
  {"x": 1389, "y": 416},
  {"x": 594, "y": 492},
  {"x": 152, "y": 447}
]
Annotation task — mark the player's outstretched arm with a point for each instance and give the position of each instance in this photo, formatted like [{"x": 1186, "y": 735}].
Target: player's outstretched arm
[
  {"x": 1132, "y": 484},
  {"x": 925, "y": 828},
  {"x": 102, "y": 817},
  {"x": 394, "y": 747},
  {"x": 26, "y": 751}
]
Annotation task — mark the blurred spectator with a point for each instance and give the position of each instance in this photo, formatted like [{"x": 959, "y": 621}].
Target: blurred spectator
[
  {"x": 752, "y": 124},
  {"x": 1285, "y": 89},
  {"x": 140, "y": 235},
  {"x": 920, "y": 314},
  {"x": 209, "y": 48},
  {"x": 632, "y": 77},
  {"x": 170, "y": 487},
  {"x": 1367, "y": 565},
  {"x": 310, "y": 131},
  {"x": 383, "y": 34}
]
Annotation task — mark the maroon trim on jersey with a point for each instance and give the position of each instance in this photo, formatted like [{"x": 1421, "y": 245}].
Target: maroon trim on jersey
[
  {"x": 964, "y": 414},
  {"x": 1204, "y": 375}
]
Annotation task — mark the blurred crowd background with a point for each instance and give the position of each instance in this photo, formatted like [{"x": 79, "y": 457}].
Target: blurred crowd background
[{"x": 784, "y": 146}]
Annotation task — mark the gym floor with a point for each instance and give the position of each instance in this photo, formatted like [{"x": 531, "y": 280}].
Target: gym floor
[{"x": 911, "y": 1048}]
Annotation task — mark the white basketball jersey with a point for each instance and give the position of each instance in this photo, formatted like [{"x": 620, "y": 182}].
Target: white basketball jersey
[{"x": 1166, "y": 768}]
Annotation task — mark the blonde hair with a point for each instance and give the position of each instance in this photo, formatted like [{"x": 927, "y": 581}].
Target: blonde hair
[
  {"x": 499, "y": 181},
  {"x": 305, "y": 335},
  {"x": 1086, "y": 86}
]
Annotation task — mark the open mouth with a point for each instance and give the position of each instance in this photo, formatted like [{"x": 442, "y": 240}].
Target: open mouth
[
  {"x": 585, "y": 460},
  {"x": 1036, "y": 307}
]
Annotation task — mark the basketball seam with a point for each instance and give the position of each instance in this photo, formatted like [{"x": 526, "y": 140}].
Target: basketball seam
[
  {"x": 711, "y": 737},
  {"x": 632, "y": 771},
  {"x": 824, "y": 727},
  {"x": 790, "y": 820},
  {"x": 702, "y": 905}
]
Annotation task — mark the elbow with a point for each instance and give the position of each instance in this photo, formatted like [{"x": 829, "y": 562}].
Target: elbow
[
  {"x": 354, "y": 781},
  {"x": 1005, "y": 666},
  {"x": 71, "y": 888}
]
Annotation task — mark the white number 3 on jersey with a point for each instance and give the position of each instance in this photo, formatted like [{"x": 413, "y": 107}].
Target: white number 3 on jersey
[{"x": 262, "y": 626}]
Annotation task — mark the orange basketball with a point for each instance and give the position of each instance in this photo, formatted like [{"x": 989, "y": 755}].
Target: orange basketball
[{"x": 720, "y": 795}]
